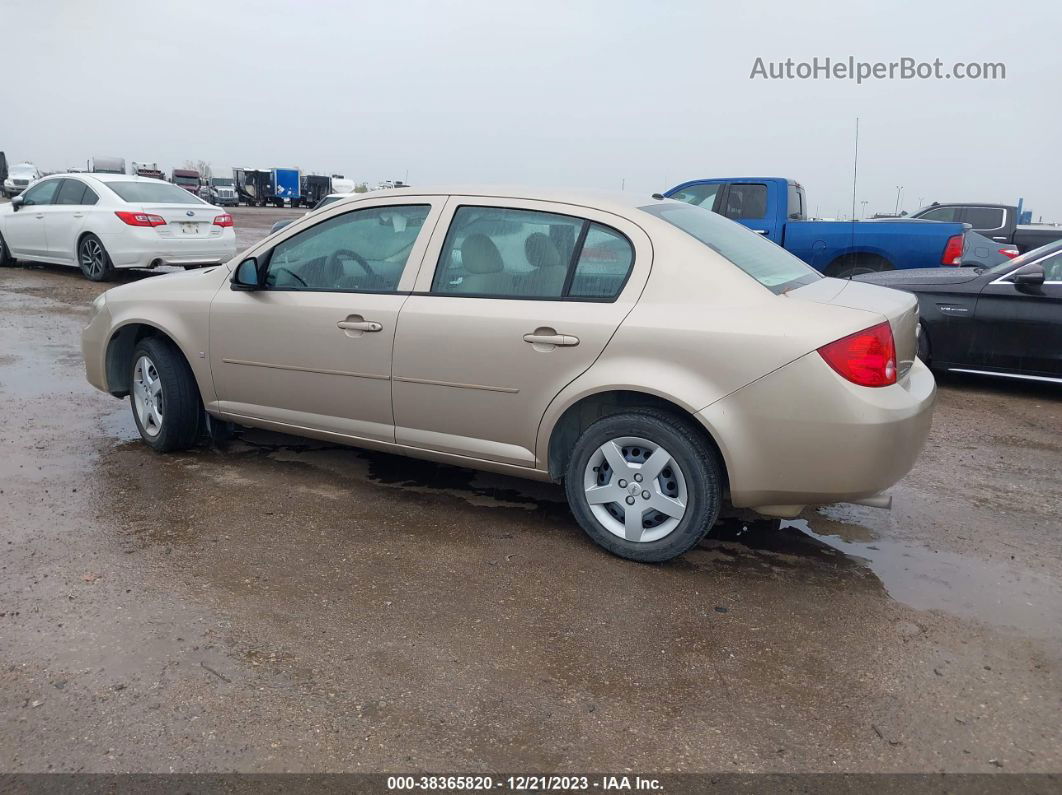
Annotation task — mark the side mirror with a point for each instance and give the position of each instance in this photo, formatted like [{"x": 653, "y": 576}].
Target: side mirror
[
  {"x": 245, "y": 277},
  {"x": 17, "y": 202},
  {"x": 1028, "y": 275}
]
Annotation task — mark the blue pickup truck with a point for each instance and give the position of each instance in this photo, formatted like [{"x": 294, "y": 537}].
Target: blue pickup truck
[{"x": 775, "y": 207}]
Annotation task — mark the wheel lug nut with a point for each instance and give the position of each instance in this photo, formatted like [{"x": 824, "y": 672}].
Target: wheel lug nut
[
  {"x": 630, "y": 500},
  {"x": 645, "y": 495},
  {"x": 623, "y": 484},
  {"x": 638, "y": 477}
]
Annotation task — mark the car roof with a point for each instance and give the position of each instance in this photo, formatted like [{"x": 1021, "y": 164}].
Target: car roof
[{"x": 602, "y": 199}]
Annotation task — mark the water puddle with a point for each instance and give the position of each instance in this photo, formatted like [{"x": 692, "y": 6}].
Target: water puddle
[{"x": 927, "y": 579}]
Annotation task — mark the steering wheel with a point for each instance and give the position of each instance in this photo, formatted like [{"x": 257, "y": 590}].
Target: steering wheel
[
  {"x": 290, "y": 272},
  {"x": 333, "y": 259}
]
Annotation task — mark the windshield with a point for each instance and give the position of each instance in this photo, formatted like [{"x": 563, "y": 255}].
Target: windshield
[
  {"x": 23, "y": 170},
  {"x": 222, "y": 182},
  {"x": 1024, "y": 259},
  {"x": 769, "y": 264},
  {"x": 153, "y": 193}
]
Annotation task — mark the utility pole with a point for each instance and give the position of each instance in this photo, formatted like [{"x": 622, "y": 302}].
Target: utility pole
[
  {"x": 863, "y": 212},
  {"x": 855, "y": 169},
  {"x": 899, "y": 190}
]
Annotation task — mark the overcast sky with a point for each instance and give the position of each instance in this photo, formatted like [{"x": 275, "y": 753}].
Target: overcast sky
[{"x": 587, "y": 94}]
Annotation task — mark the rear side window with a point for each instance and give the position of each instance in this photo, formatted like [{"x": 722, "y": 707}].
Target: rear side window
[
  {"x": 153, "y": 193},
  {"x": 984, "y": 217},
  {"x": 604, "y": 262},
  {"x": 769, "y": 264},
  {"x": 71, "y": 192},
  {"x": 746, "y": 201},
  {"x": 89, "y": 197},
  {"x": 507, "y": 253}
]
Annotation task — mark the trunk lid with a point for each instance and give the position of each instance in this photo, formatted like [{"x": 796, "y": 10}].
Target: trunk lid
[
  {"x": 185, "y": 220},
  {"x": 899, "y": 308}
]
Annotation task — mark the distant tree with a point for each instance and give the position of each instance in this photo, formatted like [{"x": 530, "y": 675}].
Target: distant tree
[
  {"x": 361, "y": 187},
  {"x": 202, "y": 166}
]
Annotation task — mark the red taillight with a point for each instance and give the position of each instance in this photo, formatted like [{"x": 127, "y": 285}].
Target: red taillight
[
  {"x": 223, "y": 220},
  {"x": 1009, "y": 252},
  {"x": 952, "y": 251},
  {"x": 141, "y": 219},
  {"x": 867, "y": 358}
]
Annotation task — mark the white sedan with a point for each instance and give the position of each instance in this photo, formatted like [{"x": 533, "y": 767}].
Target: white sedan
[{"x": 101, "y": 222}]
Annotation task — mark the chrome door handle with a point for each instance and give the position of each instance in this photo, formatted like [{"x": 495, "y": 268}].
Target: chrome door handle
[
  {"x": 359, "y": 325},
  {"x": 39, "y": 215},
  {"x": 79, "y": 215},
  {"x": 551, "y": 339}
]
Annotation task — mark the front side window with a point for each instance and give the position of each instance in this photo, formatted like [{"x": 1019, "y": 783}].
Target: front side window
[
  {"x": 71, "y": 192},
  {"x": 1053, "y": 268},
  {"x": 362, "y": 251},
  {"x": 699, "y": 195},
  {"x": 746, "y": 201},
  {"x": 153, "y": 193},
  {"x": 41, "y": 193},
  {"x": 768, "y": 263},
  {"x": 507, "y": 253},
  {"x": 984, "y": 217}
]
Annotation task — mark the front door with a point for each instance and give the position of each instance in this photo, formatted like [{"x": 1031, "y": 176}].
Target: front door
[
  {"x": 25, "y": 229},
  {"x": 516, "y": 300},
  {"x": 312, "y": 348},
  {"x": 1019, "y": 327}
]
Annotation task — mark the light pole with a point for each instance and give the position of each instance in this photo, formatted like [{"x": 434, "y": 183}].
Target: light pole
[
  {"x": 863, "y": 212},
  {"x": 899, "y": 190}
]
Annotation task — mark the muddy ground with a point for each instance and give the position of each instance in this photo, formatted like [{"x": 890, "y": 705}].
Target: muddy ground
[{"x": 286, "y": 605}]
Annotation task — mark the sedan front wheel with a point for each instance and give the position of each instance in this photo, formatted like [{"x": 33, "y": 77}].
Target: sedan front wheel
[
  {"x": 164, "y": 396},
  {"x": 644, "y": 486}
]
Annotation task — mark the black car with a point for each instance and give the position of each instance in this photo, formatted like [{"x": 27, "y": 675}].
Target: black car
[{"x": 1004, "y": 321}]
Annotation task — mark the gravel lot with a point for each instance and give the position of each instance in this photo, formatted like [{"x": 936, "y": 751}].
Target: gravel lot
[{"x": 286, "y": 605}]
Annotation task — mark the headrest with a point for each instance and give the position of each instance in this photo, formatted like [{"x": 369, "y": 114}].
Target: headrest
[
  {"x": 480, "y": 255},
  {"x": 542, "y": 252}
]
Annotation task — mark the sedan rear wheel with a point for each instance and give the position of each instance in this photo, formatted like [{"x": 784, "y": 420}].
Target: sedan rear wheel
[
  {"x": 94, "y": 260},
  {"x": 643, "y": 485}
]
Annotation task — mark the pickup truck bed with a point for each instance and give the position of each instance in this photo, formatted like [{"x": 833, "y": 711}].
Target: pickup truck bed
[{"x": 775, "y": 208}]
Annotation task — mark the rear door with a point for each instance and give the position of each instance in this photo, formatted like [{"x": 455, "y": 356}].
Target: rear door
[
  {"x": 1019, "y": 327},
  {"x": 991, "y": 222},
  {"x": 747, "y": 203},
  {"x": 25, "y": 230},
  {"x": 515, "y": 299},
  {"x": 66, "y": 218}
]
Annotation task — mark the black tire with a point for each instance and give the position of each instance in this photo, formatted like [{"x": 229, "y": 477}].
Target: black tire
[
  {"x": 181, "y": 407},
  {"x": 93, "y": 259},
  {"x": 695, "y": 457},
  {"x": 6, "y": 260},
  {"x": 856, "y": 265}
]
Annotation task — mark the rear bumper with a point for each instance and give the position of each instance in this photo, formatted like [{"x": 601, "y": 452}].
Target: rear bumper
[
  {"x": 803, "y": 435},
  {"x": 146, "y": 248}
]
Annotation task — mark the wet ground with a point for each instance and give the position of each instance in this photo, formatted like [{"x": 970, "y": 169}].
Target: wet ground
[{"x": 286, "y": 605}]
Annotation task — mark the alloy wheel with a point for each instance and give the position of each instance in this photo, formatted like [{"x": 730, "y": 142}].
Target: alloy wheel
[
  {"x": 93, "y": 257},
  {"x": 635, "y": 489},
  {"x": 147, "y": 396}
]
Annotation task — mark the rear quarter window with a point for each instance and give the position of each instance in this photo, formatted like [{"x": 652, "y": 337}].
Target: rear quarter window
[{"x": 768, "y": 263}]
